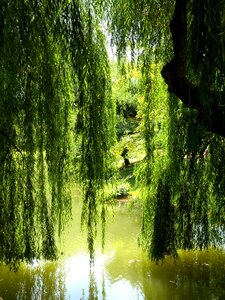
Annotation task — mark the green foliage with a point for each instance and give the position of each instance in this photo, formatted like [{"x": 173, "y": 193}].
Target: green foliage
[
  {"x": 152, "y": 172},
  {"x": 181, "y": 197},
  {"x": 36, "y": 100},
  {"x": 53, "y": 67},
  {"x": 96, "y": 124},
  {"x": 182, "y": 190},
  {"x": 55, "y": 77},
  {"x": 143, "y": 25},
  {"x": 207, "y": 42},
  {"x": 126, "y": 92},
  {"x": 125, "y": 126},
  {"x": 122, "y": 189}
]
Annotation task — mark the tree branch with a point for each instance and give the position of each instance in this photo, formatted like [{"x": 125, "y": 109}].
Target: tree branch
[
  {"x": 5, "y": 135},
  {"x": 174, "y": 74}
]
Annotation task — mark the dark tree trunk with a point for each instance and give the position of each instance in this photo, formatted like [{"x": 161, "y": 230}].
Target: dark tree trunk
[{"x": 174, "y": 74}]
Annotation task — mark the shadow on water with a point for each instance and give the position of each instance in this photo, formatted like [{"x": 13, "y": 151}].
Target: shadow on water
[
  {"x": 195, "y": 275},
  {"x": 122, "y": 272}
]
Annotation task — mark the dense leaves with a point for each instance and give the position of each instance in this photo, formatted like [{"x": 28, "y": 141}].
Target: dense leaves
[
  {"x": 183, "y": 191},
  {"x": 53, "y": 70},
  {"x": 56, "y": 100}
]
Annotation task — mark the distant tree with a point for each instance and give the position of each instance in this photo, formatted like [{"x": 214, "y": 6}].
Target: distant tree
[{"x": 126, "y": 92}]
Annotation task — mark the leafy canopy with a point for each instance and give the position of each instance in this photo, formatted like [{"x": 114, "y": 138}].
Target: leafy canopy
[{"x": 55, "y": 90}]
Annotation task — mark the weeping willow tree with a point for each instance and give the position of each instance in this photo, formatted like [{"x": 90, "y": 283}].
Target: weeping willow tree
[
  {"x": 54, "y": 83},
  {"x": 181, "y": 42},
  {"x": 55, "y": 89}
]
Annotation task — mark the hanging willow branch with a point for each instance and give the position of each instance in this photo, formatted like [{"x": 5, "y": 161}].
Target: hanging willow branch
[
  {"x": 5, "y": 135},
  {"x": 96, "y": 124},
  {"x": 54, "y": 68}
]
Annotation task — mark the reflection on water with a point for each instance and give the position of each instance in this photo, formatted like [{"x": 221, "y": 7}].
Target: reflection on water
[
  {"x": 122, "y": 272},
  {"x": 45, "y": 281}
]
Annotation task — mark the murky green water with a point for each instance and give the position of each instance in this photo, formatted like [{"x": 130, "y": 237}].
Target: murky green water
[{"x": 122, "y": 272}]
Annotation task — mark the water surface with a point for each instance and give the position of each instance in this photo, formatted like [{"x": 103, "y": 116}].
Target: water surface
[{"x": 121, "y": 272}]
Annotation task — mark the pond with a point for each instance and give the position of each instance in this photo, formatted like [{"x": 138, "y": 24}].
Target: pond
[{"x": 121, "y": 272}]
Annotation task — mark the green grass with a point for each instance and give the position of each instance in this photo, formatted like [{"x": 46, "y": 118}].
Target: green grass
[{"x": 126, "y": 174}]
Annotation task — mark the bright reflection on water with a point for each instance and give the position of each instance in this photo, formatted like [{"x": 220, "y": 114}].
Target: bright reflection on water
[{"x": 122, "y": 272}]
